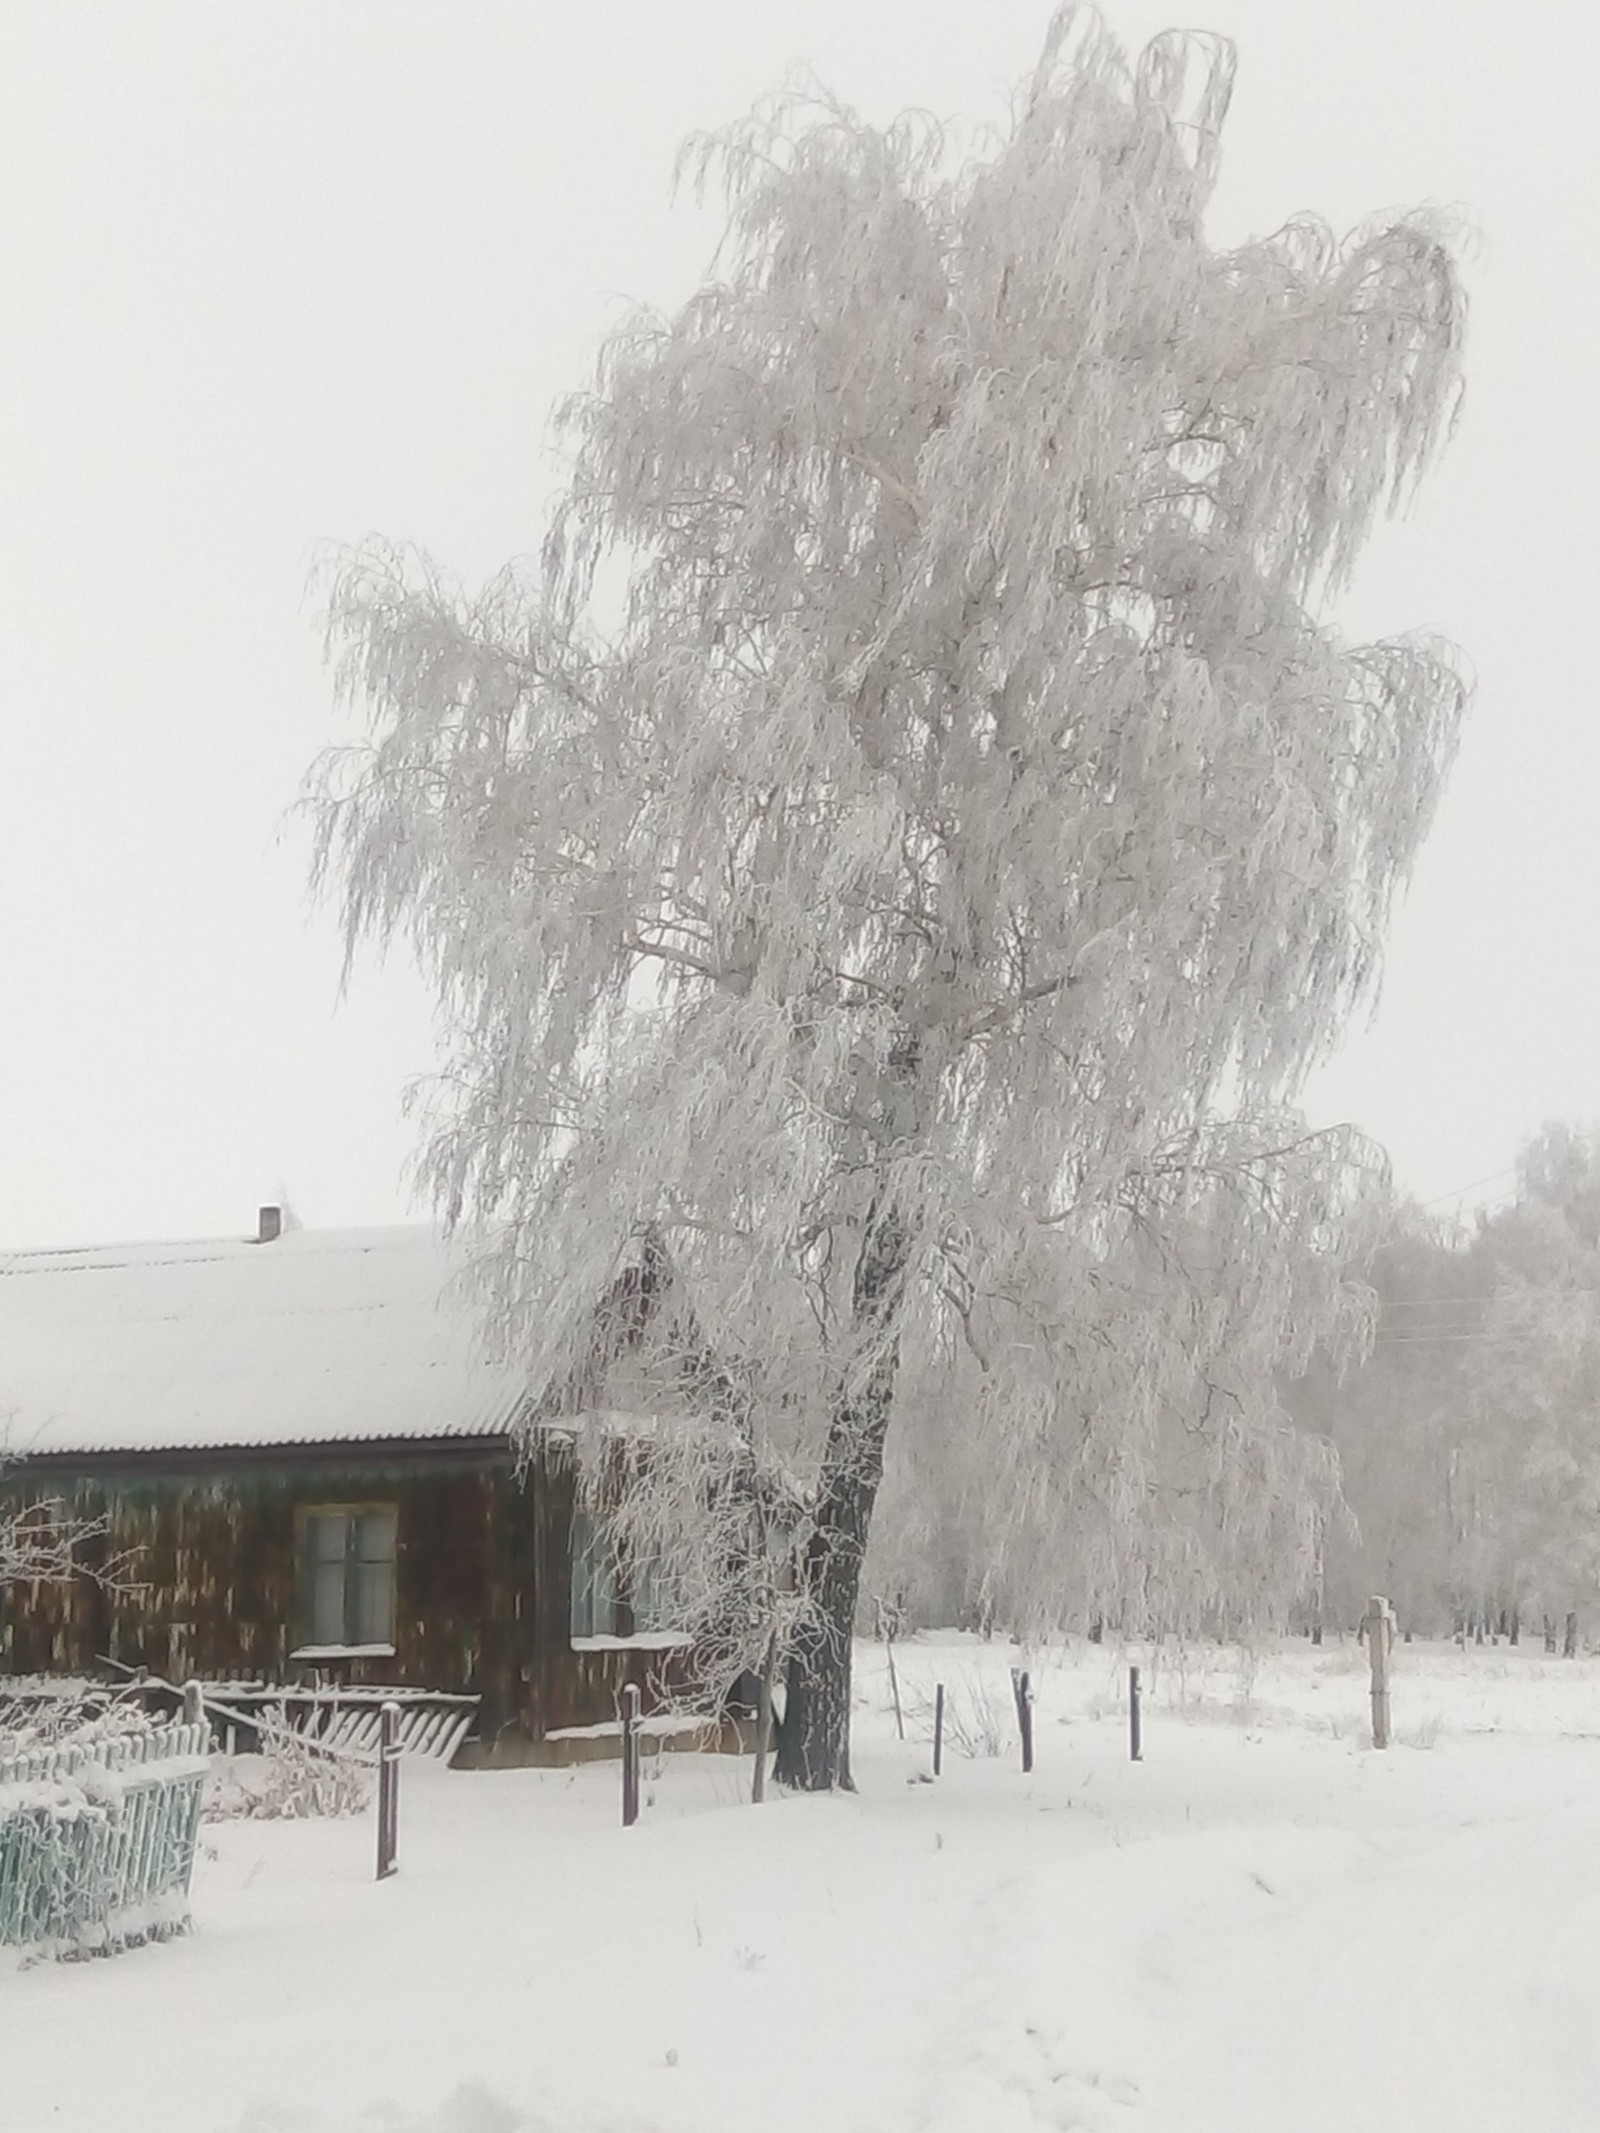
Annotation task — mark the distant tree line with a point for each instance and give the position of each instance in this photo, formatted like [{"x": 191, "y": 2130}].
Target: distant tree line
[
  {"x": 1469, "y": 1441},
  {"x": 1456, "y": 1468}
]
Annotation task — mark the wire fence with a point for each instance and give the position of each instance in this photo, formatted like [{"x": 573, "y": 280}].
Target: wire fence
[{"x": 97, "y": 1839}]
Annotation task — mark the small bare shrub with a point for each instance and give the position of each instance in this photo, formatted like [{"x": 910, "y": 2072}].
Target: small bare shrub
[
  {"x": 1343, "y": 1659},
  {"x": 973, "y": 1725},
  {"x": 1423, "y": 1734},
  {"x": 292, "y": 1779},
  {"x": 1247, "y": 1666}
]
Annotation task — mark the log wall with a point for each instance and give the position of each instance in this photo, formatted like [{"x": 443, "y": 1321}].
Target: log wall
[{"x": 482, "y": 1576}]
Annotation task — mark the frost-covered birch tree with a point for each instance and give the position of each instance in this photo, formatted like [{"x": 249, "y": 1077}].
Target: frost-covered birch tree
[{"x": 904, "y": 839}]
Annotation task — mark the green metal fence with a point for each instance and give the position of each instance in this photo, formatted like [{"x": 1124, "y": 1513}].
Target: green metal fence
[{"x": 97, "y": 1839}]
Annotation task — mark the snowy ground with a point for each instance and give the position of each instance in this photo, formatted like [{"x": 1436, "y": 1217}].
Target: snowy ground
[{"x": 1264, "y": 1925}]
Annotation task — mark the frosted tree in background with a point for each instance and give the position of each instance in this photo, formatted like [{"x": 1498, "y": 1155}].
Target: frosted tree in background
[
  {"x": 906, "y": 838},
  {"x": 1404, "y": 1427},
  {"x": 1469, "y": 1441},
  {"x": 1533, "y": 1464},
  {"x": 1184, "y": 1500}
]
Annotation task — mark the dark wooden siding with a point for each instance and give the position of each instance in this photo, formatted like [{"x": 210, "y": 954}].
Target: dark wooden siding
[{"x": 482, "y": 1576}]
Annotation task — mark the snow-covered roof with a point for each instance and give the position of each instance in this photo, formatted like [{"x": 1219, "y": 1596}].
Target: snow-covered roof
[{"x": 319, "y": 1337}]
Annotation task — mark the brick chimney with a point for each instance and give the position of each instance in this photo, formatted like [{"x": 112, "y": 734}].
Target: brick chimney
[{"x": 269, "y": 1225}]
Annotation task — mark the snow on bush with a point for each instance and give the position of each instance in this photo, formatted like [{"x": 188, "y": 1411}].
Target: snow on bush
[
  {"x": 976, "y": 1717},
  {"x": 292, "y": 1779},
  {"x": 65, "y": 1714}
]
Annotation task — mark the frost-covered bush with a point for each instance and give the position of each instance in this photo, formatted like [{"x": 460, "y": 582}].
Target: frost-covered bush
[
  {"x": 975, "y": 1717},
  {"x": 292, "y": 1779},
  {"x": 66, "y": 1714}
]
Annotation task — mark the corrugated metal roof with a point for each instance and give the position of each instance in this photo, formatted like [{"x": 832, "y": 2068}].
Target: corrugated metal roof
[{"x": 320, "y": 1337}]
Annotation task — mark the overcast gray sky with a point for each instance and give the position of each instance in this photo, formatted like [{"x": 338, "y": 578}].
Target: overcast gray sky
[{"x": 290, "y": 271}]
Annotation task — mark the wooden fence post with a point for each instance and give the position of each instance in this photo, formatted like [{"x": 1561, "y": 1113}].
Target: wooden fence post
[
  {"x": 194, "y": 1709},
  {"x": 1569, "y": 1642},
  {"x": 886, "y": 1628},
  {"x": 1023, "y": 1692},
  {"x": 1378, "y": 1629},
  {"x": 1135, "y": 1718},
  {"x": 388, "y": 1788},
  {"x": 630, "y": 1756},
  {"x": 1319, "y": 1590},
  {"x": 938, "y": 1727},
  {"x": 769, "y": 1668}
]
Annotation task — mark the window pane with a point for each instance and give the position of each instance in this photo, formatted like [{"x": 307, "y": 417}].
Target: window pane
[
  {"x": 582, "y": 1609},
  {"x": 349, "y": 1570},
  {"x": 374, "y": 1603},
  {"x": 329, "y": 1533},
  {"x": 652, "y": 1599},
  {"x": 594, "y": 1578},
  {"x": 327, "y": 1602},
  {"x": 375, "y": 1537}
]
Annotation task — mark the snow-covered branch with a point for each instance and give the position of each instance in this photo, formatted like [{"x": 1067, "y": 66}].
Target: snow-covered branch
[{"x": 48, "y": 1541}]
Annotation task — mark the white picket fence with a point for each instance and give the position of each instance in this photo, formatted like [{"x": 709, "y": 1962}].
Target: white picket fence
[{"x": 97, "y": 1839}]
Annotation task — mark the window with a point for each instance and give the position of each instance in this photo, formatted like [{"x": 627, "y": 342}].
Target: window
[
  {"x": 613, "y": 1596},
  {"x": 347, "y": 1571},
  {"x": 596, "y": 1577}
]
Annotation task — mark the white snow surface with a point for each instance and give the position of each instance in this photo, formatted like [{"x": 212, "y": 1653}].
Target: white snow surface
[
  {"x": 1266, "y": 1924},
  {"x": 322, "y": 1336}
]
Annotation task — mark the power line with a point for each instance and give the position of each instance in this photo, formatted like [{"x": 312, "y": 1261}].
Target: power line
[
  {"x": 1440, "y": 1303},
  {"x": 1482, "y": 1303},
  {"x": 1403, "y": 1331},
  {"x": 1425, "y": 1339},
  {"x": 1456, "y": 1192}
]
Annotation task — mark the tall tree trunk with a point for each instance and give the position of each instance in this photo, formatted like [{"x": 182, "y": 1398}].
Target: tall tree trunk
[{"x": 814, "y": 1739}]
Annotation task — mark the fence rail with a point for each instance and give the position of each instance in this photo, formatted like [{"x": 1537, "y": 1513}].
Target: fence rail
[
  {"x": 97, "y": 1839},
  {"x": 343, "y": 1718},
  {"x": 346, "y": 1719}
]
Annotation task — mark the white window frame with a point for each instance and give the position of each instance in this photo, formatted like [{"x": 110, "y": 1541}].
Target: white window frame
[
  {"x": 601, "y": 1589},
  {"x": 354, "y": 1598}
]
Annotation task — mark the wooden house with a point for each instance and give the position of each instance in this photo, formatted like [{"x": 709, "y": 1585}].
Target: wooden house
[{"x": 311, "y": 1472}]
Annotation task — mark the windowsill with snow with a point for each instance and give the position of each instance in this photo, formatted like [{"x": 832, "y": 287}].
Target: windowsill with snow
[
  {"x": 644, "y": 1640},
  {"x": 343, "y": 1651},
  {"x": 659, "y": 1725}
]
